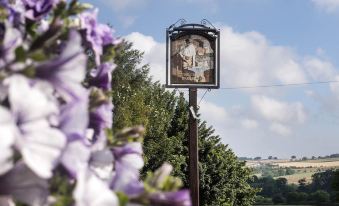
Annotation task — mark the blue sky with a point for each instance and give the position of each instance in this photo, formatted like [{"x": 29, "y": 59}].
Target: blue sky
[{"x": 262, "y": 42}]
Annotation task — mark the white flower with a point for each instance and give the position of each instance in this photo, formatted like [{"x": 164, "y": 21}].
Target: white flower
[
  {"x": 39, "y": 143},
  {"x": 90, "y": 190},
  {"x": 7, "y": 138}
]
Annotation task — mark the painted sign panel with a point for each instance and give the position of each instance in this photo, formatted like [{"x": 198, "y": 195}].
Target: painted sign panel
[{"x": 192, "y": 60}]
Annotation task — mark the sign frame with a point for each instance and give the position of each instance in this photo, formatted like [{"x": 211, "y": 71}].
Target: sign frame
[{"x": 212, "y": 34}]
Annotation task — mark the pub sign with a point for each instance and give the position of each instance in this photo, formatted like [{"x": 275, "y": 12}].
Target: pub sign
[{"x": 192, "y": 52}]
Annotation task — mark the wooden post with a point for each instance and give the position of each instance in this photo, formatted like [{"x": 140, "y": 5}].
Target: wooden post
[{"x": 193, "y": 149}]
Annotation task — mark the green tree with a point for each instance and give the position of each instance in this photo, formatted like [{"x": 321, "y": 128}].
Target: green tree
[
  {"x": 320, "y": 196},
  {"x": 278, "y": 199},
  {"x": 139, "y": 100},
  {"x": 322, "y": 181}
]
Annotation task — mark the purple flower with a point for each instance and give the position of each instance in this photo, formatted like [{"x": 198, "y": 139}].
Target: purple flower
[
  {"x": 7, "y": 139},
  {"x": 129, "y": 155},
  {"x": 74, "y": 117},
  {"x": 14, "y": 11},
  {"x": 37, "y": 9},
  {"x": 101, "y": 77},
  {"x": 101, "y": 118},
  {"x": 128, "y": 162},
  {"x": 161, "y": 175},
  {"x": 40, "y": 144},
  {"x": 67, "y": 71},
  {"x": 24, "y": 185},
  {"x": 12, "y": 39},
  {"x": 180, "y": 198},
  {"x": 90, "y": 190},
  {"x": 76, "y": 156},
  {"x": 98, "y": 35},
  {"x": 101, "y": 163}
]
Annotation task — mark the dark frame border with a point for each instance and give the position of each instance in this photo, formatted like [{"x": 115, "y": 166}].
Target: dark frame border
[{"x": 174, "y": 32}]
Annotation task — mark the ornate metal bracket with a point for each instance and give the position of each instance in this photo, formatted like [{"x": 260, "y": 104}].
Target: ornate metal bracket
[
  {"x": 205, "y": 22},
  {"x": 180, "y": 21}
]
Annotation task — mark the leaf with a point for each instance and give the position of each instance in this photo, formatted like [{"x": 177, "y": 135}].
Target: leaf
[
  {"x": 20, "y": 54},
  {"x": 38, "y": 55},
  {"x": 123, "y": 199}
]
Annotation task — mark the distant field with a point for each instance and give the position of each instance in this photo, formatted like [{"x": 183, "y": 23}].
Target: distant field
[
  {"x": 319, "y": 163},
  {"x": 293, "y": 179},
  {"x": 304, "y": 164},
  {"x": 303, "y": 169}
]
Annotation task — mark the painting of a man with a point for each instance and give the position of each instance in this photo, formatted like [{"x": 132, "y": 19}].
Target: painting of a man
[
  {"x": 188, "y": 53},
  {"x": 192, "y": 60}
]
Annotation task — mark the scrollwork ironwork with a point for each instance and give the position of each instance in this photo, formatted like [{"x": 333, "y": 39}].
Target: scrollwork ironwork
[
  {"x": 180, "y": 21},
  {"x": 205, "y": 22}
]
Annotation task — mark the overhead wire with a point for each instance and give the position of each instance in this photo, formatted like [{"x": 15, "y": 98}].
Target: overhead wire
[{"x": 280, "y": 85}]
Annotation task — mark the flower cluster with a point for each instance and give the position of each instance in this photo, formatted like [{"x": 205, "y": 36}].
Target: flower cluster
[{"x": 56, "y": 145}]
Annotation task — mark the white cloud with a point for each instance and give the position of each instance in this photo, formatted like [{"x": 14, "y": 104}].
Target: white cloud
[
  {"x": 249, "y": 124},
  {"x": 277, "y": 111},
  {"x": 249, "y": 59},
  {"x": 121, "y": 5},
  {"x": 327, "y": 5},
  {"x": 154, "y": 54},
  {"x": 319, "y": 69},
  {"x": 335, "y": 88},
  {"x": 280, "y": 129},
  {"x": 213, "y": 113}
]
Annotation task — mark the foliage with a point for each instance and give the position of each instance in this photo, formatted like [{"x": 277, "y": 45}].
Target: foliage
[
  {"x": 223, "y": 179},
  {"x": 273, "y": 171},
  {"x": 322, "y": 189}
]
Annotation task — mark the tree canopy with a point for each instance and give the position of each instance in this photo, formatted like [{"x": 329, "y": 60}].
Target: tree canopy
[{"x": 140, "y": 100}]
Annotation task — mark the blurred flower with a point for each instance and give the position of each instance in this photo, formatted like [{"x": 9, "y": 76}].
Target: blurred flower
[
  {"x": 128, "y": 162},
  {"x": 98, "y": 35},
  {"x": 15, "y": 10},
  {"x": 101, "y": 163},
  {"x": 53, "y": 121},
  {"x": 67, "y": 71},
  {"x": 7, "y": 139},
  {"x": 24, "y": 185},
  {"x": 90, "y": 190},
  {"x": 43, "y": 26},
  {"x": 160, "y": 175},
  {"x": 12, "y": 39},
  {"x": 101, "y": 77},
  {"x": 37, "y": 9},
  {"x": 180, "y": 198},
  {"x": 101, "y": 118},
  {"x": 39, "y": 143},
  {"x": 74, "y": 117},
  {"x": 76, "y": 156}
]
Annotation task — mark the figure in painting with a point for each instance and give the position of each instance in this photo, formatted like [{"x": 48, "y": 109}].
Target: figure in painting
[
  {"x": 188, "y": 54},
  {"x": 191, "y": 59}
]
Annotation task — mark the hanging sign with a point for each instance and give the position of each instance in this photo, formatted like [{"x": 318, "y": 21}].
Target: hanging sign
[{"x": 193, "y": 52}]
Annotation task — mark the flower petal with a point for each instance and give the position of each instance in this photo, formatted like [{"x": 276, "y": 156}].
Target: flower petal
[
  {"x": 90, "y": 190},
  {"x": 24, "y": 186},
  {"x": 41, "y": 149},
  {"x": 28, "y": 103},
  {"x": 7, "y": 138},
  {"x": 75, "y": 157}
]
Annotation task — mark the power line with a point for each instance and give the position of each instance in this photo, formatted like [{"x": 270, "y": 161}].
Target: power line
[
  {"x": 207, "y": 90},
  {"x": 266, "y": 86},
  {"x": 280, "y": 85}
]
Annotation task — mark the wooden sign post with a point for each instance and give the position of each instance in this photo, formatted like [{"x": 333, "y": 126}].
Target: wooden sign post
[{"x": 192, "y": 61}]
